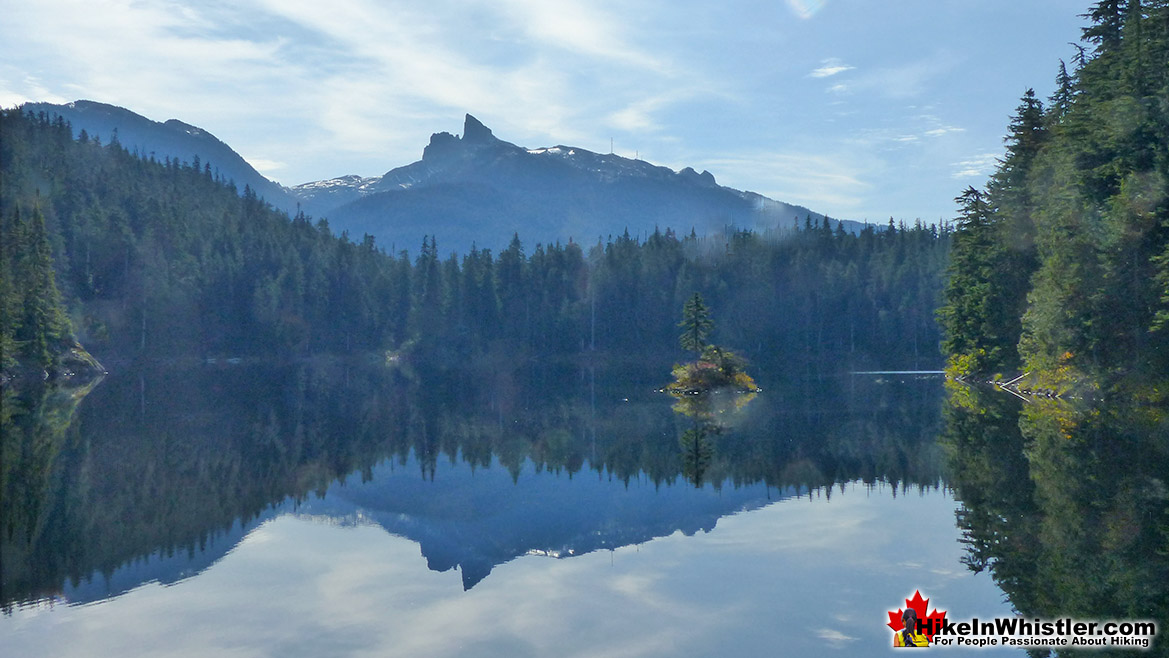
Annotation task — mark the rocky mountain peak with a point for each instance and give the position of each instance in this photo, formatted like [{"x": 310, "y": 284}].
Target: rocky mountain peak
[
  {"x": 441, "y": 144},
  {"x": 475, "y": 131}
]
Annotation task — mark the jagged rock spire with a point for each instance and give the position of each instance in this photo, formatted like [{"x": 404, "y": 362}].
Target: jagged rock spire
[{"x": 475, "y": 131}]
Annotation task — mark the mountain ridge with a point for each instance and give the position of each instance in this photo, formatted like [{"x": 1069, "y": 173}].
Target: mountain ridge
[
  {"x": 468, "y": 190},
  {"x": 478, "y": 189},
  {"x": 173, "y": 138}
]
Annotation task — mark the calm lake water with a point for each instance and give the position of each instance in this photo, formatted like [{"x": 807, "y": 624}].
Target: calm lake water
[{"x": 329, "y": 509}]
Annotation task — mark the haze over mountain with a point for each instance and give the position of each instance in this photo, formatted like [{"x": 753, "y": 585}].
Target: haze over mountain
[{"x": 474, "y": 189}]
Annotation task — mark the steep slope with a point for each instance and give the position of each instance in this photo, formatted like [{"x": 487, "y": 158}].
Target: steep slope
[{"x": 171, "y": 139}]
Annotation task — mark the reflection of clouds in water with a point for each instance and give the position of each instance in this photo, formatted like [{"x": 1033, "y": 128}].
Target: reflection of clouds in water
[
  {"x": 304, "y": 588},
  {"x": 834, "y": 637}
]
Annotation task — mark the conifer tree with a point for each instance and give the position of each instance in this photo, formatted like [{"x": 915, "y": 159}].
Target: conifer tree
[{"x": 696, "y": 324}]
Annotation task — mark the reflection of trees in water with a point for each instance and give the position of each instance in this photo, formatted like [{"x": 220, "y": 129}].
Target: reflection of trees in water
[
  {"x": 167, "y": 460},
  {"x": 697, "y": 451},
  {"x": 36, "y": 426},
  {"x": 1067, "y": 507},
  {"x": 711, "y": 413}
]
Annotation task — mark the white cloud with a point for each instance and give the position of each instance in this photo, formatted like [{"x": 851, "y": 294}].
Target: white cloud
[
  {"x": 830, "y": 67},
  {"x": 823, "y": 183},
  {"x": 943, "y": 130},
  {"x": 357, "y": 86},
  {"x": 265, "y": 166},
  {"x": 638, "y": 116},
  {"x": 533, "y": 72},
  {"x": 907, "y": 80},
  {"x": 25, "y": 89},
  {"x": 579, "y": 27},
  {"x": 364, "y": 79},
  {"x": 980, "y": 165},
  {"x": 806, "y": 8}
]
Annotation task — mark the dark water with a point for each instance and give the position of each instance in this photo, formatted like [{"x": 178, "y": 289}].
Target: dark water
[{"x": 346, "y": 509}]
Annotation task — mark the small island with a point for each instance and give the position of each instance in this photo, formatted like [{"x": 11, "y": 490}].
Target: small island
[{"x": 716, "y": 368}]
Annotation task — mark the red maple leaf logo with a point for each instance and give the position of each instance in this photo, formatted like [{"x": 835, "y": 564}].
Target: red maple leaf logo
[{"x": 930, "y": 624}]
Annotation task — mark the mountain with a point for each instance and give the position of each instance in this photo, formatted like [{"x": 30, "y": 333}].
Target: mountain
[
  {"x": 479, "y": 189},
  {"x": 474, "y": 189},
  {"x": 171, "y": 139}
]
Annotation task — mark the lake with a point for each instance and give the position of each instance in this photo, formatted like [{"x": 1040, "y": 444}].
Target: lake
[{"x": 345, "y": 509}]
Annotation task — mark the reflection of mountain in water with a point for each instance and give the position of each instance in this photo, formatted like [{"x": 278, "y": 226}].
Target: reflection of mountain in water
[
  {"x": 161, "y": 473},
  {"x": 477, "y": 520},
  {"x": 163, "y": 566}
]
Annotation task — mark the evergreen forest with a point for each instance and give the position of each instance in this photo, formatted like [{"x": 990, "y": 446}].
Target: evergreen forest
[
  {"x": 165, "y": 260},
  {"x": 1060, "y": 264}
]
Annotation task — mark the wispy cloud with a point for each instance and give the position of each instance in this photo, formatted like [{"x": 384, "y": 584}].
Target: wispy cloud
[
  {"x": 943, "y": 130},
  {"x": 357, "y": 86},
  {"x": 980, "y": 165},
  {"x": 266, "y": 167},
  {"x": 828, "y": 184},
  {"x": 581, "y": 28},
  {"x": 17, "y": 88},
  {"x": 362, "y": 79},
  {"x": 639, "y": 115},
  {"x": 907, "y": 80},
  {"x": 830, "y": 67},
  {"x": 806, "y": 8}
]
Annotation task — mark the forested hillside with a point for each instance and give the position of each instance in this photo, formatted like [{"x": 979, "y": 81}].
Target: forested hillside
[
  {"x": 160, "y": 259},
  {"x": 1060, "y": 264}
]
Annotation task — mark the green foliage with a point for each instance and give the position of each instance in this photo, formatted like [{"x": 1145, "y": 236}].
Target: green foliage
[
  {"x": 715, "y": 369},
  {"x": 1066, "y": 272},
  {"x": 34, "y": 328},
  {"x": 161, "y": 259},
  {"x": 696, "y": 324}
]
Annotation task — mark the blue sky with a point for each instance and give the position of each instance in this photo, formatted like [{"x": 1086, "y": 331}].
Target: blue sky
[{"x": 857, "y": 108}]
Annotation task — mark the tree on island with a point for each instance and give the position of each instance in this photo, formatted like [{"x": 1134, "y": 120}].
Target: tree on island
[
  {"x": 696, "y": 324},
  {"x": 716, "y": 367}
]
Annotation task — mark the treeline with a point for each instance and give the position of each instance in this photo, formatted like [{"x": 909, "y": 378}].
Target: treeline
[
  {"x": 163, "y": 259},
  {"x": 1060, "y": 264}
]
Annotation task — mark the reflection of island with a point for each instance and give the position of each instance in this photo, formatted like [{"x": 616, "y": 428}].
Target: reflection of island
[
  {"x": 711, "y": 412},
  {"x": 711, "y": 390},
  {"x": 162, "y": 472}
]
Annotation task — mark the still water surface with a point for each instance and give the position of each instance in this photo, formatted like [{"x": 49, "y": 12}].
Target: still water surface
[{"x": 340, "y": 510}]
